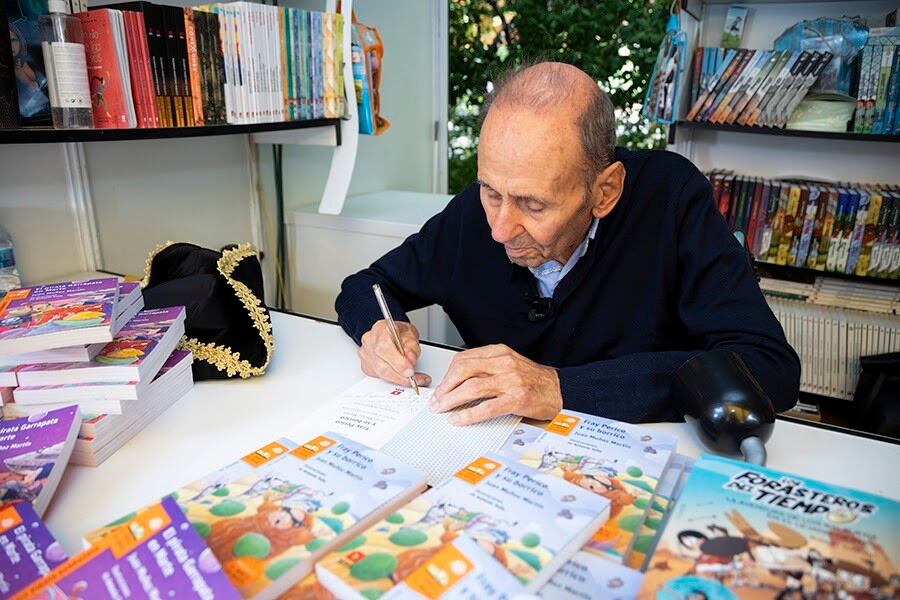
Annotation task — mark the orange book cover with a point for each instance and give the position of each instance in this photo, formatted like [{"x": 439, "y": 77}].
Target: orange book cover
[
  {"x": 107, "y": 91},
  {"x": 193, "y": 65}
]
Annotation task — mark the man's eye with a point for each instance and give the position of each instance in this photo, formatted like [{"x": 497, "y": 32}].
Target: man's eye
[{"x": 534, "y": 207}]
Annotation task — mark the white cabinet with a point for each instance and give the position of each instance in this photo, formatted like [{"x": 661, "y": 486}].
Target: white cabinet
[{"x": 324, "y": 249}]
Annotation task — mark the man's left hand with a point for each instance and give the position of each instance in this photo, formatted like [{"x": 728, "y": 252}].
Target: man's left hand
[{"x": 508, "y": 382}]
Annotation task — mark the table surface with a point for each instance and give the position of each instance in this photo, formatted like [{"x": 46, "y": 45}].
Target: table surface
[{"x": 220, "y": 421}]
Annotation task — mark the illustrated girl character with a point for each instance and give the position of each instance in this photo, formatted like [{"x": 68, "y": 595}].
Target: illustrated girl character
[
  {"x": 602, "y": 485},
  {"x": 23, "y": 484},
  {"x": 713, "y": 556},
  {"x": 98, "y": 88},
  {"x": 283, "y": 526}
]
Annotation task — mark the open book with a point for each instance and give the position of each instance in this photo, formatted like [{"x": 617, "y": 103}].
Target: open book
[{"x": 396, "y": 421}]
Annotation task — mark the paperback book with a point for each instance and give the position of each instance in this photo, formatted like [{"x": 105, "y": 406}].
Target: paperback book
[
  {"x": 57, "y": 315},
  {"x": 528, "y": 521},
  {"x": 739, "y": 530},
  {"x": 155, "y": 553},
  {"x": 270, "y": 516},
  {"x": 33, "y": 455},
  {"x": 29, "y": 550},
  {"x": 135, "y": 354},
  {"x": 588, "y": 576},
  {"x": 618, "y": 461}
]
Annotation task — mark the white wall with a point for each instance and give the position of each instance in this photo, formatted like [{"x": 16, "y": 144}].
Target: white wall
[{"x": 198, "y": 190}]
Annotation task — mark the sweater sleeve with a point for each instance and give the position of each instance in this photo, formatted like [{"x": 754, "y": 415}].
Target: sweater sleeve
[
  {"x": 719, "y": 305},
  {"x": 413, "y": 275}
]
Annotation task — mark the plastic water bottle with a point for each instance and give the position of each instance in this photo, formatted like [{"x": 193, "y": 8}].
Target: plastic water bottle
[
  {"x": 62, "y": 43},
  {"x": 9, "y": 276}
]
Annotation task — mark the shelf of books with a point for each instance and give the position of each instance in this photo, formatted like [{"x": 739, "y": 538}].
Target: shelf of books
[
  {"x": 828, "y": 135},
  {"x": 37, "y": 135}
]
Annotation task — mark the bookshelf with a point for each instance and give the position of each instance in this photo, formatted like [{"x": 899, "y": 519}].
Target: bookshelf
[
  {"x": 822, "y": 135},
  {"x": 790, "y": 154},
  {"x": 47, "y": 135}
]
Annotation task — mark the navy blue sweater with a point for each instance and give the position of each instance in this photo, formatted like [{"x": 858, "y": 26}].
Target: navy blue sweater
[{"x": 662, "y": 279}]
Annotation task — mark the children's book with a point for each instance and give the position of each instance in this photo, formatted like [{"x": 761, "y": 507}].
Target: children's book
[
  {"x": 396, "y": 420},
  {"x": 155, "y": 553},
  {"x": 29, "y": 550},
  {"x": 460, "y": 570},
  {"x": 33, "y": 455},
  {"x": 618, "y": 461},
  {"x": 739, "y": 530},
  {"x": 270, "y": 516},
  {"x": 105, "y": 397},
  {"x": 733, "y": 31},
  {"x": 135, "y": 354},
  {"x": 58, "y": 315},
  {"x": 588, "y": 576},
  {"x": 530, "y": 522}
]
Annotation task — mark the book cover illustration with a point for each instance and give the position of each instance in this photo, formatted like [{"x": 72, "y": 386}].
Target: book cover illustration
[
  {"x": 154, "y": 554},
  {"x": 30, "y": 451},
  {"x": 523, "y": 519},
  {"x": 34, "y": 311},
  {"x": 29, "y": 550},
  {"x": 618, "y": 461},
  {"x": 590, "y": 577},
  {"x": 28, "y": 60},
  {"x": 459, "y": 570},
  {"x": 270, "y": 520},
  {"x": 742, "y": 531}
]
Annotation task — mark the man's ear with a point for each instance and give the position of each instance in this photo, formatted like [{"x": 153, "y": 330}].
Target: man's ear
[{"x": 607, "y": 189}]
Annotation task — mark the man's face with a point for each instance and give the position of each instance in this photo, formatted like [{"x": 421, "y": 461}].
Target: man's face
[{"x": 532, "y": 185}]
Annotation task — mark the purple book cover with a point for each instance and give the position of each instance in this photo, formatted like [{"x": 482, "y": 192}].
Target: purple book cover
[
  {"x": 29, "y": 451},
  {"x": 174, "y": 359},
  {"x": 129, "y": 347},
  {"x": 155, "y": 553},
  {"x": 29, "y": 550},
  {"x": 43, "y": 309}
]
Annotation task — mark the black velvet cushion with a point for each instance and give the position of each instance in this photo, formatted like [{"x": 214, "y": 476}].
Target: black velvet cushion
[{"x": 227, "y": 326}]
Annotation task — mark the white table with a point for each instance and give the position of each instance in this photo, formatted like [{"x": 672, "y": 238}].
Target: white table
[{"x": 220, "y": 421}]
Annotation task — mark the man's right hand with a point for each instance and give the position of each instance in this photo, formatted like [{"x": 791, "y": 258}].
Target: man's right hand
[{"x": 378, "y": 356}]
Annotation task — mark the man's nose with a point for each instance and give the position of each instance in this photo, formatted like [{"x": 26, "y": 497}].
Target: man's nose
[{"x": 506, "y": 225}]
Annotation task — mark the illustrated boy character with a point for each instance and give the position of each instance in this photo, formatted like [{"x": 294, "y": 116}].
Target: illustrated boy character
[
  {"x": 713, "y": 556},
  {"x": 23, "y": 484},
  {"x": 602, "y": 485}
]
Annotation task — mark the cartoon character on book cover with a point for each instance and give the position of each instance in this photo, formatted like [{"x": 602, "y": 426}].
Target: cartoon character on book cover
[
  {"x": 22, "y": 476},
  {"x": 746, "y": 532},
  {"x": 494, "y": 517},
  {"x": 134, "y": 341},
  {"x": 625, "y": 474}
]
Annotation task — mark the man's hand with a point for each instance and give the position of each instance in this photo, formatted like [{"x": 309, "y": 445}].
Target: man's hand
[
  {"x": 378, "y": 356},
  {"x": 509, "y": 383}
]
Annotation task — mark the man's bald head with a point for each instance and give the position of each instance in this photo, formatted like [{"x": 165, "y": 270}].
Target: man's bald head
[{"x": 562, "y": 91}]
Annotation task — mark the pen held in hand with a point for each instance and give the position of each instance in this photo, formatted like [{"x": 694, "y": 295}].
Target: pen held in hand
[{"x": 385, "y": 311}]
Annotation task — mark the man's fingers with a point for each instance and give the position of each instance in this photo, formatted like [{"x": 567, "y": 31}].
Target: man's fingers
[
  {"x": 386, "y": 350},
  {"x": 474, "y": 388},
  {"x": 374, "y": 366},
  {"x": 488, "y": 409}
]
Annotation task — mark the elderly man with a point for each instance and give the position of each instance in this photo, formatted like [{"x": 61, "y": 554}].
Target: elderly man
[{"x": 580, "y": 275}]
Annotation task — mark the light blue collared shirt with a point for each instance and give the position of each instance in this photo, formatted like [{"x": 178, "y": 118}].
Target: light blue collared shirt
[{"x": 550, "y": 273}]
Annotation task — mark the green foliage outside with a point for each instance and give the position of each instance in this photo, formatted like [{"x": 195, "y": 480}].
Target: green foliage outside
[{"x": 614, "y": 42}]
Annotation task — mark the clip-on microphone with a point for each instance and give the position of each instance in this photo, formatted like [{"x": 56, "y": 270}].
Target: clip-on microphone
[
  {"x": 720, "y": 398},
  {"x": 542, "y": 308}
]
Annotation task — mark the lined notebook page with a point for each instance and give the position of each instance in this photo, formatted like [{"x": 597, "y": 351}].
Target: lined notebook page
[
  {"x": 440, "y": 449},
  {"x": 397, "y": 421}
]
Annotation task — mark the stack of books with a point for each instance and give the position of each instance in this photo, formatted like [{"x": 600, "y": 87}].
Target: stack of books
[
  {"x": 843, "y": 228},
  {"x": 878, "y": 89},
  {"x": 121, "y": 376}
]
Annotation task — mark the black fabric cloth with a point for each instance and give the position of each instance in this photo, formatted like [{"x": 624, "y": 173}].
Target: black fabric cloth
[
  {"x": 662, "y": 279},
  {"x": 188, "y": 275}
]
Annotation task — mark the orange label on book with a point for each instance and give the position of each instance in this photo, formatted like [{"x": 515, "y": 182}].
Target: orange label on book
[
  {"x": 440, "y": 573},
  {"x": 57, "y": 574},
  {"x": 477, "y": 470},
  {"x": 13, "y": 295},
  {"x": 9, "y": 518},
  {"x": 563, "y": 424},
  {"x": 313, "y": 447},
  {"x": 265, "y": 454},
  {"x": 244, "y": 570},
  {"x": 125, "y": 537}
]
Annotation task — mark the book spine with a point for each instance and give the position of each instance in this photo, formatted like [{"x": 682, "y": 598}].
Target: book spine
[
  {"x": 193, "y": 67},
  {"x": 859, "y": 228},
  {"x": 809, "y": 223},
  {"x": 220, "y": 96},
  {"x": 201, "y": 35},
  {"x": 788, "y": 228},
  {"x": 799, "y": 219},
  {"x": 340, "y": 92},
  {"x": 874, "y": 71},
  {"x": 755, "y": 208},
  {"x": 107, "y": 93},
  {"x": 881, "y": 89},
  {"x": 868, "y": 237},
  {"x": 847, "y": 234},
  {"x": 865, "y": 63},
  {"x": 769, "y": 224},
  {"x": 134, "y": 68},
  {"x": 287, "y": 64},
  {"x": 893, "y": 95},
  {"x": 878, "y": 246}
]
